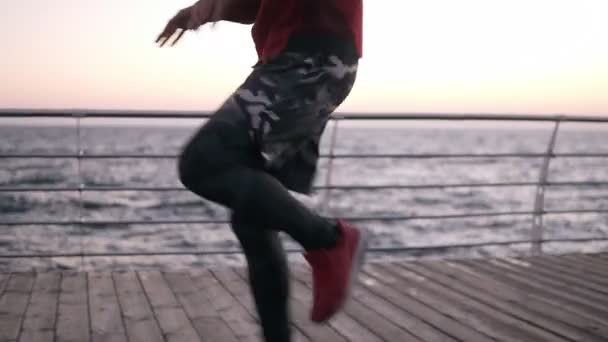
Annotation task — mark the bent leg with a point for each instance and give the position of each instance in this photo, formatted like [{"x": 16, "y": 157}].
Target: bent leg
[{"x": 219, "y": 164}]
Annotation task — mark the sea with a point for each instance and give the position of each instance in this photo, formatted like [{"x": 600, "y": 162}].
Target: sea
[{"x": 431, "y": 233}]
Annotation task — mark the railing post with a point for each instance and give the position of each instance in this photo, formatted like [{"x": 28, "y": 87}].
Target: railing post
[
  {"x": 81, "y": 185},
  {"x": 539, "y": 200},
  {"x": 324, "y": 203}
]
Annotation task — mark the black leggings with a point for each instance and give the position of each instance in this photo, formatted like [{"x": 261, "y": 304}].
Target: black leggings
[{"x": 221, "y": 164}]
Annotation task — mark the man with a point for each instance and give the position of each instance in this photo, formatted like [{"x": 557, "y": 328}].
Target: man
[{"x": 264, "y": 141}]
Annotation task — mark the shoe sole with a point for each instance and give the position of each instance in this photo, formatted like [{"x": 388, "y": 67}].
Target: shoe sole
[{"x": 358, "y": 261}]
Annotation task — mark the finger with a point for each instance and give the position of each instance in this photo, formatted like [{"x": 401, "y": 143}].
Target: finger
[
  {"x": 166, "y": 34},
  {"x": 165, "y": 40},
  {"x": 168, "y": 38},
  {"x": 161, "y": 35},
  {"x": 179, "y": 36}
]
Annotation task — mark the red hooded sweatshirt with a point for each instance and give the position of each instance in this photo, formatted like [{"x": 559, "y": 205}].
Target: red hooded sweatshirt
[{"x": 276, "y": 22}]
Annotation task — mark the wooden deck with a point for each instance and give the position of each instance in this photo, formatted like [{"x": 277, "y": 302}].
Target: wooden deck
[{"x": 553, "y": 299}]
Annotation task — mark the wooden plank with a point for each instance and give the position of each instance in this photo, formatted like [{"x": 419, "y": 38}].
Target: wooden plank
[
  {"x": 602, "y": 255},
  {"x": 384, "y": 306},
  {"x": 243, "y": 326},
  {"x": 315, "y": 331},
  {"x": 13, "y": 304},
  {"x": 528, "y": 284},
  {"x": 205, "y": 318},
  {"x": 601, "y": 258},
  {"x": 577, "y": 269},
  {"x": 599, "y": 268},
  {"x": 234, "y": 282},
  {"x": 139, "y": 321},
  {"x": 538, "y": 304},
  {"x": 237, "y": 288},
  {"x": 300, "y": 317},
  {"x": 40, "y": 318},
  {"x": 20, "y": 283},
  {"x": 195, "y": 302},
  {"x": 158, "y": 292},
  {"x": 591, "y": 262},
  {"x": 174, "y": 323},
  {"x": 436, "y": 316},
  {"x": 385, "y": 329},
  {"x": 582, "y": 266},
  {"x": 106, "y": 320},
  {"x": 468, "y": 310},
  {"x": 73, "y": 317},
  {"x": 565, "y": 301},
  {"x": 3, "y": 282},
  {"x": 468, "y": 321},
  {"x": 343, "y": 324},
  {"x": 482, "y": 291},
  {"x": 565, "y": 275},
  {"x": 37, "y": 336},
  {"x": 555, "y": 281}
]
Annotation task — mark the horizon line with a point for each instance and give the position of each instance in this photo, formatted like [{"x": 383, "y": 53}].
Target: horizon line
[{"x": 13, "y": 112}]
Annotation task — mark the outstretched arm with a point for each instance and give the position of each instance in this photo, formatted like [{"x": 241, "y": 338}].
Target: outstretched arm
[{"x": 209, "y": 11}]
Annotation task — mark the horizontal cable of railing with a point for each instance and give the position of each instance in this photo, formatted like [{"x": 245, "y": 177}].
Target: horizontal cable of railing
[
  {"x": 354, "y": 219},
  {"x": 320, "y": 187},
  {"x": 396, "y": 249},
  {"x": 17, "y": 113},
  {"x": 336, "y": 156}
]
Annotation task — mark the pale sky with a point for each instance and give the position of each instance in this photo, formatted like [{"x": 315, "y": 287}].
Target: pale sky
[{"x": 492, "y": 56}]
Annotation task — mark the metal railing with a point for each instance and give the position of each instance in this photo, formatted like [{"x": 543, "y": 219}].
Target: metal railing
[{"x": 536, "y": 240}]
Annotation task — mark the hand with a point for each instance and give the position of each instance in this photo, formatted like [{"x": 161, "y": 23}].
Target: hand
[
  {"x": 191, "y": 18},
  {"x": 179, "y": 21}
]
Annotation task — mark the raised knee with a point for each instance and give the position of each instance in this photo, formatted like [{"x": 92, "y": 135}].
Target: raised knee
[
  {"x": 197, "y": 160},
  {"x": 205, "y": 162},
  {"x": 201, "y": 169},
  {"x": 196, "y": 177}
]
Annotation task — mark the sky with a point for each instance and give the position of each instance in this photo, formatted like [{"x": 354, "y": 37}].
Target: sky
[{"x": 443, "y": 56}]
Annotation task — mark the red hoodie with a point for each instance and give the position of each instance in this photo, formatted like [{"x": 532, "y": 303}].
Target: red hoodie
[{"x": 276, "y": 21}]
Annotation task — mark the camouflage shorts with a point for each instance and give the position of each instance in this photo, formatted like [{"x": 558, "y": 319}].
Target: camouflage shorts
[{"x": 287, "y": 103}]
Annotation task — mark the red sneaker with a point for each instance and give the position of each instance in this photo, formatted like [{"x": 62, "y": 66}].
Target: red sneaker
[{"x": 334, "y": 271}]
